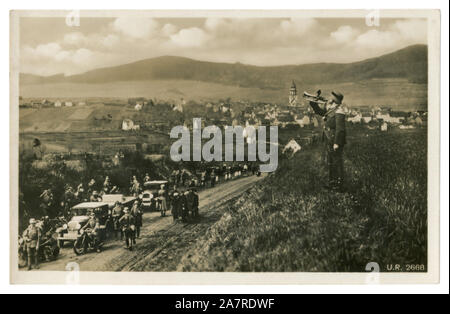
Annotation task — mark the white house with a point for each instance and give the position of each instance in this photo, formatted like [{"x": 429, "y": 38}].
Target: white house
[
  {"x": 396, "y": 120},
  {"x": 127, "y": 125},
  {"x": 383, "y": 116},
  {"x": 367, "y": 118},
  {"x": 68, "y": 104},
  {"x": 58, "y": 104},
  {"x": 306, "y": 120},
  {"x": 292, "y": 146},
  {"x": 355, "y": 119}
]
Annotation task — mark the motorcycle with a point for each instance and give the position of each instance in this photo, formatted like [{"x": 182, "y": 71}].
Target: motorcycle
[
  {"x": 49, "y": 249},
  {"x": 85, "y": 242}
]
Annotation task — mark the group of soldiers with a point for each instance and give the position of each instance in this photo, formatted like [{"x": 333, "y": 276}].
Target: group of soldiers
[
  {"x": 126, "y": 219},
  {"x": 184, "y": 205}
]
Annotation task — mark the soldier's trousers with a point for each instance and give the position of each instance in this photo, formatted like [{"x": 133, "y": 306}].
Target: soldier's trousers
[
  {"x": 32, "y": 257},
  {"x": 335, "y": 163}
]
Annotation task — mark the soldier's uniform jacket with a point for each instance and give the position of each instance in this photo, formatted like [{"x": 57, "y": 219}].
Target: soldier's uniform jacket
[
  {"x": 195, "y": 200},
  {"x": 93, "y": 224},
  {"x": 334, "y": 124},
  {"x": 32, "y": 234},
  {"x": 127, "y": 220},
  {"x": 117, "y": 211},
  {"x": 137, "y": 214}
]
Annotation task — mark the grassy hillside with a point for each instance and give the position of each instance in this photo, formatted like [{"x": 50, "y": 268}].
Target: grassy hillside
[{"x": 289, "y": 223}]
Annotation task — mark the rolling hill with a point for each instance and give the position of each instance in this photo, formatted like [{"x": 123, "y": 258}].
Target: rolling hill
[
  {"x": 398, "y": 78},
  {"x": 409, "y": 63}
]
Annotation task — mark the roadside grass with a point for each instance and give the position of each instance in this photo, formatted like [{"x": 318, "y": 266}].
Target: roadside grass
[{"x": 288, "y": 223}]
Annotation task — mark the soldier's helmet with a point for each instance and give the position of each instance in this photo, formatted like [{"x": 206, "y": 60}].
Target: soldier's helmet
[
  {"x": 337, "y": 97},
  {"x": 126, "y": 210},
  {"x": 162, "y": 186},
  {"x": 32, "y": 221}
]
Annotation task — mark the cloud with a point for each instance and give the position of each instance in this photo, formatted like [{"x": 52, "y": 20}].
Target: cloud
[
  {"x": 297, "y": 26},
  {"x": 376, "y": 39},
  {"x": 46, "y": 50},
  {"x": 136, "y": 28},
  {"x": 257, "y": 41},
  {"x": 75, "y": 38},
  {"x": 169, "y": 29},
  {"x": 110, "y": 40},
  {"x": 344, "y": 34},
  {"x": 190, "y": 37},
  {"x": 412, "y": 29}
]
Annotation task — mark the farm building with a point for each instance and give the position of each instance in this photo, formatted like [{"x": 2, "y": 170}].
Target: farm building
[
  {"x": 355, "y": 119},
  {"x": 306, "y": 120},
  {"x": 58, "y": 104},
  {"x": 383, "y": 115},
  {"x": 127, "y": 125},
  {"x": 397, "y": 117},
  {"x": 292, "y": 146},
  {"x": 366, "y": 117},
  {"x": 68, "y": 104}
]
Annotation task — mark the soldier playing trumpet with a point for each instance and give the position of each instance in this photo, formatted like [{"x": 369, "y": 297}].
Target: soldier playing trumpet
[{"x": 334, "y": 135}]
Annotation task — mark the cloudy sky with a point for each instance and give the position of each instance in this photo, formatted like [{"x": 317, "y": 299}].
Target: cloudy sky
[{"x": 48, "y": 46}]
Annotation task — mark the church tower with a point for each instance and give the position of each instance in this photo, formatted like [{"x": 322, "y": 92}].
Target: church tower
[{"x": 293, "y": 95}]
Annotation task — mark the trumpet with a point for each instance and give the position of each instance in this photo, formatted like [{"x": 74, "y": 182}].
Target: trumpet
[{"x": 317, "y": 98}]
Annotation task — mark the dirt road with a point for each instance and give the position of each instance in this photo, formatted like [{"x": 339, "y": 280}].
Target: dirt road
[{"x": 163, "y": 242}]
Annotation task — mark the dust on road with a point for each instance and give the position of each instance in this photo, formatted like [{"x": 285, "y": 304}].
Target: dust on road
[{"x": 163, "y": 242}]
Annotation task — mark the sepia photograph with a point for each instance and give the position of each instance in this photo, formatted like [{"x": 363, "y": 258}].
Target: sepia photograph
[{"x": 224, "y": 146}]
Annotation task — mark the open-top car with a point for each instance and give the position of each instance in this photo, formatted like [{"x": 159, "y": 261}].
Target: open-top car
[
  {"x": 80, "y": 216},
  {"x": 150, "y": 194},
  {"x": 111, "y": 199}
]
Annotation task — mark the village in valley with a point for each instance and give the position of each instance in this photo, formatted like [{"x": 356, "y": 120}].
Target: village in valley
[{"x": 139, "y": 115}]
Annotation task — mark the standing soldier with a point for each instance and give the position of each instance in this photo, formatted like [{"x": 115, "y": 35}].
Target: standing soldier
[
  {"x": 137, "y": 214},
  {"x": 127, "y": 224},
  {"x": 116, "y": 214},
  {"x": 189, "y": 202},
  {"x": 162, "y": 194},
  {"x": 106, "y": 185},
  {"x": 335, "y": 137},
  {"x": 32, "y": 237},
  {"x": 195, "y": 203},
  {"x": 91, "y": 185},
  {"x": 176, "y": 205},
  {"x": 47, "y": 200}
]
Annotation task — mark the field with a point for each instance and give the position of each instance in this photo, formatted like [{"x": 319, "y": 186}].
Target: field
[
  {"x": 289, "y": 223},
  {"x": 397, "y": 93}
]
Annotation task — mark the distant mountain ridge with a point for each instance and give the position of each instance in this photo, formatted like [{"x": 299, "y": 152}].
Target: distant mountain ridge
[{"x": 410, "y": 63}]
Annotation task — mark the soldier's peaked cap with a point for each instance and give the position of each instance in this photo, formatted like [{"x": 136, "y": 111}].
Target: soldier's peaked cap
[{"x": 338, "y": 96}]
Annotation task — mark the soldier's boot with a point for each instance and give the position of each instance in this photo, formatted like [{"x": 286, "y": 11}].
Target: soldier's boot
[{"x": 30, "y": 262}]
